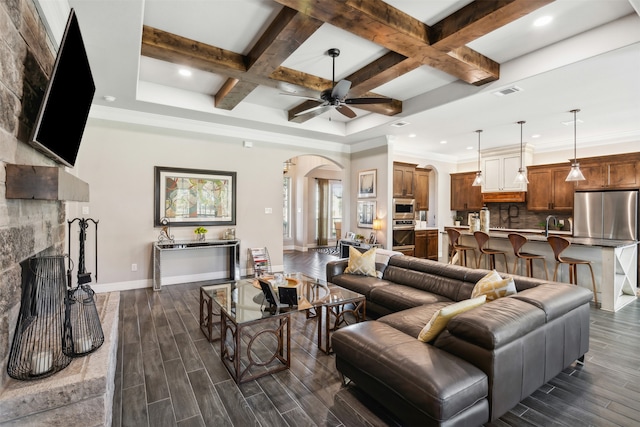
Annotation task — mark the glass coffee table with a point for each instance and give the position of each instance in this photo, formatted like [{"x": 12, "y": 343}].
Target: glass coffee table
[{"x": 255, "y": 339}]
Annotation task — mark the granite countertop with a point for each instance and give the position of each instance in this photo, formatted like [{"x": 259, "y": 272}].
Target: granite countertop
[{"x": 535, "y": 235}]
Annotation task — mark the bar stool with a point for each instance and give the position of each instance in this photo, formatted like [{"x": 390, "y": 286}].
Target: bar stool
[
  {"x": 558, "y": 245},
  {"x": 517, "y": 242},
  {"x": 456, "y": 247},
  {"x": 482, "y": 238}
]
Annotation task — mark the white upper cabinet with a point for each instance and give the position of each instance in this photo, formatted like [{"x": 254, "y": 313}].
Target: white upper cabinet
[{"x": 500, "y": 170}]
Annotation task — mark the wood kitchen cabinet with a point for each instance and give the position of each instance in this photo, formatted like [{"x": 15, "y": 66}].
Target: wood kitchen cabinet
[
  {"x": 426, "y": 244},
  {"x": 403, "y": 180},
  {"x": 464, "y": 196},
  {"x": 422, "y": 189},
  {"x": 548, "y": 190},
  {"x": 610, "y": 172}
]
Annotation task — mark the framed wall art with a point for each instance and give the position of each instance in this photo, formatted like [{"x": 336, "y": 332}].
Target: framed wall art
[
  {"x": 366, "y": 213},
  {"x": 188, "y": 197},
  {"x": 367, "y": 183}
]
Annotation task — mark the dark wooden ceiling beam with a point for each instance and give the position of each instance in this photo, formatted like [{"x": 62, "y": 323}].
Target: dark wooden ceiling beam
[
  {"x": 180, "y": 50},
  {"x": 383, "y": 70},
  {"x": 232, "y": 92},
  {"x": 176, "y": 49},
  {"x": 285, "y": 34},
  {"x": 477, "y": 19},
  {"x": 386, "y": 26}
]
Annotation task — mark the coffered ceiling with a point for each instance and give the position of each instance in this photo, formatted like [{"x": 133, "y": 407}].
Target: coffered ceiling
[{"x": 440, "y": 62}]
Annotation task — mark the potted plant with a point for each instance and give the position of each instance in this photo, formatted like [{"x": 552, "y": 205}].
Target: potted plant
[
  {"x": 456, "y": 220},
  {"x": 200, "y": 233}
]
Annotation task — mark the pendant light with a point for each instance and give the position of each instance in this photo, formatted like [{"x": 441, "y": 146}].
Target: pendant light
[
  {"x": 521, "y": 177},
  {"x": 478, "y": 181},
  {"x": 575, "y": 174}
]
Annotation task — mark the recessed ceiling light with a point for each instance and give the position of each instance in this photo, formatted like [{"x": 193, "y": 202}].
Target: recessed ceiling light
[
  {"x": 470, "y": 148},
  {"x": 542, "y": 21},
  {"x": 537, "y": 135},
  {"x": 109, "y": 98},
  {"x": 443, "y": 142},
  {"x": 184, "y": 72},
  {"x": 412, "y": 135}
]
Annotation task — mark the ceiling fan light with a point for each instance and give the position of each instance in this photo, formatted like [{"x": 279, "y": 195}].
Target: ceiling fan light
[
  {"x": 478, "y": 181},
  {"x": 575, "y": 174},
  {"x": 521, "y": 177}
]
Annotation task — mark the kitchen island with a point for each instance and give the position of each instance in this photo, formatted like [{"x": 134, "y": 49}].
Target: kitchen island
[{"x": 614, "y": 262}]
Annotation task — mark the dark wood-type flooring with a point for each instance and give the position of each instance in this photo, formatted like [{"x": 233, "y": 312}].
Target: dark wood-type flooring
[{"x": 168, "y": 374}]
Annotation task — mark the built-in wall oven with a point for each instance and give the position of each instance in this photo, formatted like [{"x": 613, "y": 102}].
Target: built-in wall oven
[{"x": 404, "y": 235}]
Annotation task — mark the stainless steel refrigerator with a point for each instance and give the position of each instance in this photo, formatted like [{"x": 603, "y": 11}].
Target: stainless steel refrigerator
[{"x": 606, "y": 214}]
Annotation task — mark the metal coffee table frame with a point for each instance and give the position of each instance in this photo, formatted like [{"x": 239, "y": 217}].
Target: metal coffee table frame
[
  {"x": 238, "y": 338},
  {"x": 332, "y": 315}
]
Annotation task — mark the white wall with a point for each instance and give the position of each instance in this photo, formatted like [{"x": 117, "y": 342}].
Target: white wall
[
  {"x": 373, "y": 158},
  {"x": 117, "y": 160}
]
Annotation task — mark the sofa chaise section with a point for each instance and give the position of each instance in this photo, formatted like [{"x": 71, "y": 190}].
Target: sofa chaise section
[{"x": 420, "y": 383}]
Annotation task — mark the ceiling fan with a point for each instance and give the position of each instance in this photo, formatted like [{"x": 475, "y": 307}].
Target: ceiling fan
[{"x": 336, "y": 97}]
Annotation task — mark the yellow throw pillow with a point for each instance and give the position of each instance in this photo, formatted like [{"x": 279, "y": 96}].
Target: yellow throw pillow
[
  {"x": 494, "y": 286},
  {"x": 441, "y": 317},
  {"x": 361, "y": 263}
]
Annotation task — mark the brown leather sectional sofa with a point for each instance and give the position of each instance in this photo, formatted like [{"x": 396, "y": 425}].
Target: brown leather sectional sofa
[{"x": 483, "y": 364}]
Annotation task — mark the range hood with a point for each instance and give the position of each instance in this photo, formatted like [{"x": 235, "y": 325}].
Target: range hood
[{"x": 505, "y": 197}]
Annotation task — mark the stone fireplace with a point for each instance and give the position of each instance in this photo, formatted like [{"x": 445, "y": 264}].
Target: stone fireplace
[
  {"x": 27, "y": 227},
  {"x": 82, "y": 393}
]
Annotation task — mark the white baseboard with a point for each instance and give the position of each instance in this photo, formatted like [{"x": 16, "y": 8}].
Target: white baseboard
[
  {"x": 166, "y": 281},
  {"x": 121, "y": 286}
]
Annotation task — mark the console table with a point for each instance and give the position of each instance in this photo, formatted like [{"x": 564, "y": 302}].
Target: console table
[{"x": 162, "y": 248}]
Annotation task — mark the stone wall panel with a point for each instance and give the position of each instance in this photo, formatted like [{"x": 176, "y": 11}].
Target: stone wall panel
[{"x": 27, "y": 227}]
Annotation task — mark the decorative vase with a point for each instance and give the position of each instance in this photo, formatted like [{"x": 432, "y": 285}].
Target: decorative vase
[
  {"x": 456, "y": 223},
  {"x": 201, "y": 237}
]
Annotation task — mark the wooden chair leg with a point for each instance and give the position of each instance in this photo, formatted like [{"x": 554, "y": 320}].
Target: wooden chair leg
[
  {"x": 555, "y": 272},
  {"x": 544, "y": 264},
  {"x": 515, "y": 265},
  {"x": 529, "y": 267}
]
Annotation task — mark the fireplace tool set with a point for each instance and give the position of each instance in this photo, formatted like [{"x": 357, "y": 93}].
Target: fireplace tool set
[{"x": 57, "y": 321}]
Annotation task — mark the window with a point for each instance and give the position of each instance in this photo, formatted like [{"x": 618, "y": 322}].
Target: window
[
  {"x": 286, "y": 207},
  {"x": 333, "y": 210}
]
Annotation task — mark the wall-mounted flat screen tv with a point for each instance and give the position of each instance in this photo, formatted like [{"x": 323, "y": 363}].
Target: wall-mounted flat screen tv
[{"x": 67, "y": 99}]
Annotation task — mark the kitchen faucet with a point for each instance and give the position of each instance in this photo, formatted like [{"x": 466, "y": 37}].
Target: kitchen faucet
[{"x": 546, "y": 228}]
